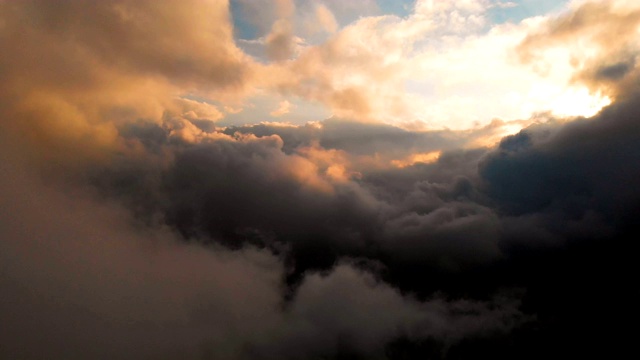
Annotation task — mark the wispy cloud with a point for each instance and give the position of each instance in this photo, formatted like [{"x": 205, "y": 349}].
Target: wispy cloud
[{"x": 283, "y": 108}]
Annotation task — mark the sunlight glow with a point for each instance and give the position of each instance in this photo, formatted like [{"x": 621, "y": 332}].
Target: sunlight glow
[
  {"x": 426, "y": 158},
  {"x": 579, "y": 102}
]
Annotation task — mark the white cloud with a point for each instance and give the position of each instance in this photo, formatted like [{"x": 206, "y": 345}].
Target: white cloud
[
  {"x": 443, "y": 66},
  {"x": 283, "y": 108}
]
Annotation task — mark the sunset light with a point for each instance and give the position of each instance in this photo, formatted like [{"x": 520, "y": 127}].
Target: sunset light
[{"x": 319, "y": 179}]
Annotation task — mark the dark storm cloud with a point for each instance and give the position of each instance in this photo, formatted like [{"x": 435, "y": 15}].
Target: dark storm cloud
[
  {"x": 83, "y": 279},
  {"x": 586, "y": 165}
]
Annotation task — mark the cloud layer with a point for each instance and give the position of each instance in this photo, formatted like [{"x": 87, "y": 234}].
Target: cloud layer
[{"x": 133, "y": 226}]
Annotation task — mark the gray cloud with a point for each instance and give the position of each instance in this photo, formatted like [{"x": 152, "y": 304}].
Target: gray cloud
[
  {"x": 86, "y": 279},
  {"x": 468, "y": 225}
]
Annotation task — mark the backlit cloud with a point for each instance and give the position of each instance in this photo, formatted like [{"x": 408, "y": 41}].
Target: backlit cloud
[{"x": 424, "y": 68}]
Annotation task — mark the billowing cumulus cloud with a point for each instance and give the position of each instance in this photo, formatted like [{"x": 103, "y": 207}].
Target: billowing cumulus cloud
[
  {"x": 136, "y": 224},
  {"x": 73, "y": 70},
  {"x": 599, "y": 60},
  {"x": 421, "y": 70},
  {"x": 90, "y": 281}
]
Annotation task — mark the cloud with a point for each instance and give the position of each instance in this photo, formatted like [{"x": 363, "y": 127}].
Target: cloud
[
  {"x": 422, "y": 69},
  {"x": 91, "y": 281},
  {"x": 280, "y": 42},
  {"x": 283, "y": 109},
  {"x": 506, "y": 5},
  {"x": 87, "y": 282},
  {"x": 326, "y": 19},
  {"x": 471, "y": 222},
  {"x": 114, "y": 63},
  {"x": 133, "y": 226},
  {"x": 124, "y": 35},
  {"x": 336, "y": 312},
  {"x": 582, "y": 39}
]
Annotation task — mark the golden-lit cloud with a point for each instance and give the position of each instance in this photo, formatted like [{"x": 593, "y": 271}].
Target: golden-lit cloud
[
  {"x": 283, "y": 108},
  {"x": 442, "y": 66},
  {"x": 73, "y": 71},
  {"x": 197, "y": 110},
  {"x": 333, "y": 164},
  {"x": 325, "y": 19},
  {"x": 582, "y": 42},
  {"x": 413, "y": 159}
]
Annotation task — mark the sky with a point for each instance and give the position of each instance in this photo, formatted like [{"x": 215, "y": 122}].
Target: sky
[
  {"x": 298, "y": 179},
  {"x": 409, "y": 64}
]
